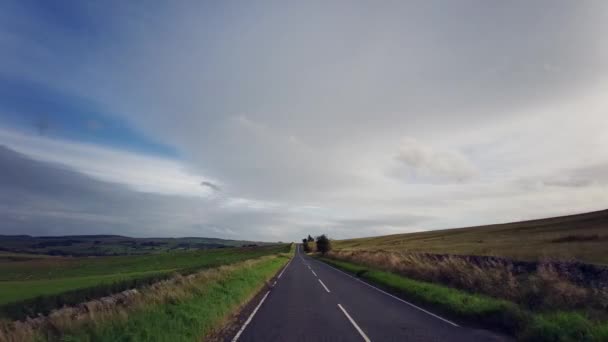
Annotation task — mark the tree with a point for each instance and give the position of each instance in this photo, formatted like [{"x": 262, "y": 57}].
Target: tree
[
  {"x": 323, "y": 244},
  {"x": 305, "y": 245},
  {"x": 310, "y": 238}
]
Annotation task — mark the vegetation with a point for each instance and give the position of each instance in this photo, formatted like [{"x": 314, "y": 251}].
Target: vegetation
[
  {"x": 308, "y": 244},
  {"x": 104, "y": 245},
  {"x": 35, "y": 285},
  {"x": 581, "y": 237},
  {"x": 547, "y": 286},
  {"x": 323, "y": 244},
  {"x": 510, "y": 317},
  {"x": 178, "y": 309}
]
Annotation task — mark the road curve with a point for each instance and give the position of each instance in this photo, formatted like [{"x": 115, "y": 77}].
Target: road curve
[{"x": 312, "y": 301}]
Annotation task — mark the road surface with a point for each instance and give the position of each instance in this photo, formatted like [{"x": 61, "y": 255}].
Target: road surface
[{"x": 312, "y": 301}]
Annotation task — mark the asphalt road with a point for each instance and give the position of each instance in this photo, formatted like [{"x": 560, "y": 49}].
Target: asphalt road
[{"x": 312, "y": 301}]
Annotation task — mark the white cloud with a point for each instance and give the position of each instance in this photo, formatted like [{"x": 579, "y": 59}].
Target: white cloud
[
  {"x": 301, "y": 126},
  {"x": 140, "y": 172}
]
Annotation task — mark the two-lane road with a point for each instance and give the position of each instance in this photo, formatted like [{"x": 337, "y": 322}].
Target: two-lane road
[{"x": 313, "y": 301}]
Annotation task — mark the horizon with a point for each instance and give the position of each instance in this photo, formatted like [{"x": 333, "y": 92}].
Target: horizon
[{"x": 247, "y": 122}]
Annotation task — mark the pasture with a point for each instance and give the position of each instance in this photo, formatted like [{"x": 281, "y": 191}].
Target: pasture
[
  {"x": 582, "y": 237},
  {"x": 46, "y": 282}
]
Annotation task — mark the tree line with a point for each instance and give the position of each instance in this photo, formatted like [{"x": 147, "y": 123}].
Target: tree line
[{"x": 322, "y": 244}]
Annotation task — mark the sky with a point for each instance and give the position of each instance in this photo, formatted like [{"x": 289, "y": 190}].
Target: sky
[{"x": 272, "y": 120}]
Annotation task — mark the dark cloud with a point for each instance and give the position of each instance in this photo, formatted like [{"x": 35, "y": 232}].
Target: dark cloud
[{"x": 43, "y": 198}]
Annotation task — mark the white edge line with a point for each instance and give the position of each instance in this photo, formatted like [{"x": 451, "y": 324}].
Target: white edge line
[
  {"x": 365, "y": 338},
  {"x": 326, "y": 289},
  {"x": 313, "y": 272},
  {"x": 238, "y": 334},
  {"x": 395, "y": 297},
  {"x": 284, "y": 268}
]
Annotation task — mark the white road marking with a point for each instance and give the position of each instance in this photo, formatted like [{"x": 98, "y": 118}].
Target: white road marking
[
  {"x": 395, "y": 297},
  {"x": 313, "y": 272},
  {"x": 284, "y": 268},
  {"x": 238, "y": 334},
  {"x": 365, "y": 338},
  {"x": 326, "y": 289}
]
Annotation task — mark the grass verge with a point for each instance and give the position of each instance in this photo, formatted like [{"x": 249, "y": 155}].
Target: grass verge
[
  {"x": 496, "y": 313},
  {"x": 81, "y": 279},
  {"x": 180, "y": 309}
]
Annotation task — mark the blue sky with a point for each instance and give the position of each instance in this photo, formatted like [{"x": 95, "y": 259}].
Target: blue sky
[
  {"x": 39, "y": 109},
  {"x": 274, "y": 120}
]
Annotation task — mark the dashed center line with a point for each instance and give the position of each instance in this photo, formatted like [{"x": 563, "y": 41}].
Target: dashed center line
[
  {"x": 313, "y": 272},
  {"x": 365, "y": 338},
  {"x": 392, "y": 296},
  {"x": 325, "y": 287}
]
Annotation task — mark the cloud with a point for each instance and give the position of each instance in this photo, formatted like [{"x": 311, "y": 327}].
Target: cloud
[
  {"x": 302, "y": 126},
  {"x": 423, "y": 163},
  {"x": 140, "y": 172},
  {"x": 43, "y": 198}
]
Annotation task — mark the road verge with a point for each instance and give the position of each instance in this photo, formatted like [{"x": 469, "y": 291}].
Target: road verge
[
  {"x": 487, "y": 311},
  {"x": 183, "y": 308}
]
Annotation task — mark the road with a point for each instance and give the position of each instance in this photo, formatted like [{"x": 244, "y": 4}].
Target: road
[{"x": 312, "y": 301}]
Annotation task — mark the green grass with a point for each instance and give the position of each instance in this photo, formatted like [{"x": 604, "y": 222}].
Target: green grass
[
  {"x": 38, "y": 285},
  {"x": 68, "y": 267},
  {"x": 187, "y": 320},
  {"x": 581, "y": 237},
  {"x": 474, "y": 308},
  {"x": 14, "y": 291}
]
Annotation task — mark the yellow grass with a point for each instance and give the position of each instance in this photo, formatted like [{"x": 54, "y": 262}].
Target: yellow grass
[{"x": 582, "y": 237}]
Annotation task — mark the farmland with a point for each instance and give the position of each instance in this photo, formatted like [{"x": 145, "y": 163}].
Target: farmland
[
  {"x": 180, "y": 307},
  {"x": 102, "y": 245},
  {"x": 45, "y": 282},
  {"x": 582, "y": 237}
]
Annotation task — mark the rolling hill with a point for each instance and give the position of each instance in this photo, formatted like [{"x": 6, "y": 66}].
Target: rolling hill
[
  {"x": 582, "y": 237},
  {"x": 99, "y": 245}
]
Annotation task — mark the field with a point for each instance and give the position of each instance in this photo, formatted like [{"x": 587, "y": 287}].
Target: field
[
  {"x": 539, "y": 280},
  {"x": 179, "y": 308},
  {"x": 100, "y": 245},
  {"x": 37, "y": 283},
  {"x": 582, "y": 237}
]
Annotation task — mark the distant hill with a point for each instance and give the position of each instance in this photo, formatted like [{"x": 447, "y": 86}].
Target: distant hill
[
  {"x": 91, "y": 245},
  {"x": 581, "y": 237}
]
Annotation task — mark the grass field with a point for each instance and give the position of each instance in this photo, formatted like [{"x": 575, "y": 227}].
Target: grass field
[
  {"x": 43, "y": 281},
  {"x": 181, "y": 308},
  {"x": 582, "y": 237},
  {"x": 189, "y": 319}
]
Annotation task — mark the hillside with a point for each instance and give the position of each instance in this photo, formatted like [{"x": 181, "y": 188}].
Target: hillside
[
  {"x": 581, "y": 237},
  {"x": 99, "y": 245}
]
